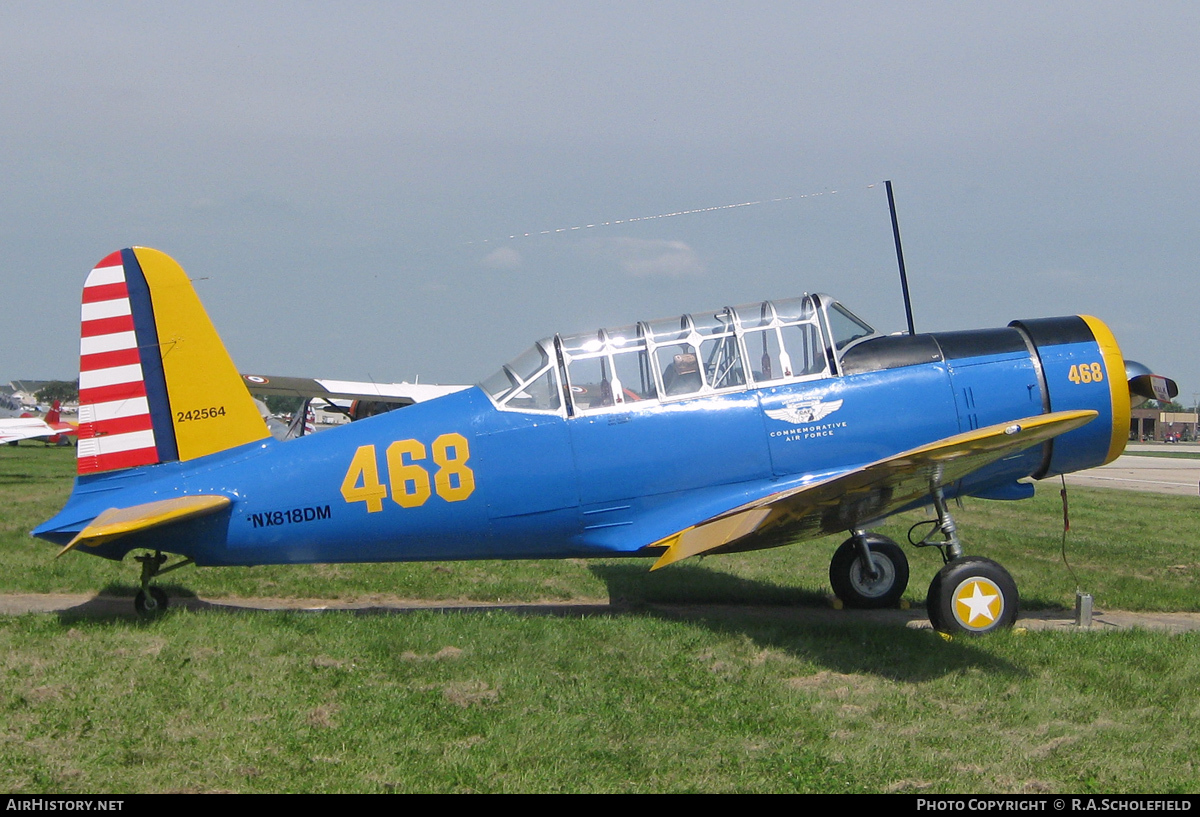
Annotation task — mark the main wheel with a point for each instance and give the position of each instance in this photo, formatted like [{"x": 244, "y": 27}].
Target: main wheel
[
  {"x": 152, "y": 604},
  {"x": 972, "y": 596},
  {"x": 853, "y": 583}
]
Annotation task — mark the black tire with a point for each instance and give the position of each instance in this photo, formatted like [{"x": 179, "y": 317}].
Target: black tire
[
  {"x": 855, "y": 588},
  {"x": 152, "y": 605},
  {"x": 989, "y": 597}
]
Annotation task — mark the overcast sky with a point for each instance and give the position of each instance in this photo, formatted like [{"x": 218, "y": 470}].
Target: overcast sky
[{"x": 341, "y": 179}]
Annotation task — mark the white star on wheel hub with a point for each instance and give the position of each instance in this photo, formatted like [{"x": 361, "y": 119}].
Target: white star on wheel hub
[{"x": 978, "y": 602}]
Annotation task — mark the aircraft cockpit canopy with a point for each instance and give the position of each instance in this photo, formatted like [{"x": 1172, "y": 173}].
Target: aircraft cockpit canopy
[{"x": 733, "y": 348}]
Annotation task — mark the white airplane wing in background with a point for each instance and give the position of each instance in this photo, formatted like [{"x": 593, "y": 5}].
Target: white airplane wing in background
[
  {"x": 25, "y": 428},
  {"x": 404, "y": 394},
  {"x": 368, "y": 398}
]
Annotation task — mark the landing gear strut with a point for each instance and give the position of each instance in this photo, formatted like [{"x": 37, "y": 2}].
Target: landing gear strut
[
  {"x": 969, "y": 595},
  {"x": 151, "y": 602}
]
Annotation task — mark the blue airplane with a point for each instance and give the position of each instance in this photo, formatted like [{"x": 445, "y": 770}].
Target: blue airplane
[{"x": 731, "y": 430}]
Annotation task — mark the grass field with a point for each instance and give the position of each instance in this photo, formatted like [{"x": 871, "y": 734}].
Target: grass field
[
  {"x": 1187, "y": 453},
  {"x": 632, "y": 700}
]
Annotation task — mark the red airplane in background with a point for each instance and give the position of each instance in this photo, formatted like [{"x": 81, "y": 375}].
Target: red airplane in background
[{"x": 50, "y": 428}]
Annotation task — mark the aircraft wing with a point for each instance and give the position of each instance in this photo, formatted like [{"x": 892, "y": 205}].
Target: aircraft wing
[
  {"x": 862, "y": 495},
  {"x": 26, "y": 428},
  {"x": 401, "y": 393}
]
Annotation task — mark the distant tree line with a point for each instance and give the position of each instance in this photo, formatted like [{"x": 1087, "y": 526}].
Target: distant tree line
[
  {"x": 65, "y": 391},
  {"x": 283, "y": 404}
]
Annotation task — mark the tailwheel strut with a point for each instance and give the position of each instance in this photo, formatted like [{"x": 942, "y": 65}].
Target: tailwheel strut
[
  {"x": 969, "y": 595},
  {"x": 151, "y": 602}
]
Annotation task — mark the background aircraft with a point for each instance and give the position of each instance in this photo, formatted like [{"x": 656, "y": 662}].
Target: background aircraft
[
  {"x": 354, "y": 399},
  {"x": 16, "y": 425},
  {"x": 730, "y": 430}
]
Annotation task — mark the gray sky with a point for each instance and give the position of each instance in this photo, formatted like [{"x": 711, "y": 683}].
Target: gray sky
[{"x": 342, "y": 178}]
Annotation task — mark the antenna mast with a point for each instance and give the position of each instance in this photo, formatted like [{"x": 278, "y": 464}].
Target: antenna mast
[{"x": 900, "y": 258}]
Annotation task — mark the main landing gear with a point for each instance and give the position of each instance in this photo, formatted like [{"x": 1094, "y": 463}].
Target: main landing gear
[
  {"x": 869, "y": 571},
  {"x": 151, "y": 602},
  {"x": 969, "y": 595},
  {"x": 972, "y": 596}
]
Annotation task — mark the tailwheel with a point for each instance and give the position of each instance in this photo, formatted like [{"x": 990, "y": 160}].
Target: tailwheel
[
  {"x": 972, "y": 596},
  {"x": 869, "y": 572},
  {"x": 151, "y": 602}
]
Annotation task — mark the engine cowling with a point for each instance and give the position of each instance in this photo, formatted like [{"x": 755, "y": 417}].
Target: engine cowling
[{"x": 1081, "y": 367}]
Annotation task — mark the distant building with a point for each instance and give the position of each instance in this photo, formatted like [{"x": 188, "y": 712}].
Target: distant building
[
  {"x": 1155, "y": 424},
  {"x": 25, "y": 391}
]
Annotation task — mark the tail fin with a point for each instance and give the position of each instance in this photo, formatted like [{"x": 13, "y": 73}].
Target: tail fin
[
  {"x": 155, "y": 382},
  {"x": 54, "y": 415}
]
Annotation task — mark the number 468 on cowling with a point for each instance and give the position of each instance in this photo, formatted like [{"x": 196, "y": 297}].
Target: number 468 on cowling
[{"x": 1086, "y": 373}]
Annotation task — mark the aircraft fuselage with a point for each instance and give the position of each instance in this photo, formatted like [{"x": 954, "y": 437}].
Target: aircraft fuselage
[{"x": 460, "y": 478}]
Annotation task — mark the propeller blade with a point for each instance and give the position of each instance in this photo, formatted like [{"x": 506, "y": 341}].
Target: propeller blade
[{"x": 1146, "y": 385}]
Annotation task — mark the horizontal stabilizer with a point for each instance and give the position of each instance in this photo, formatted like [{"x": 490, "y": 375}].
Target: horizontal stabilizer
[
  {"x": 117, "y": 522},
  {"x": 852, "y": 499}
]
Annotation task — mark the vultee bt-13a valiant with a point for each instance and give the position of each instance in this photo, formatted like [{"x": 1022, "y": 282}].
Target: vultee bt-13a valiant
[{"x": 729, "y": 430}]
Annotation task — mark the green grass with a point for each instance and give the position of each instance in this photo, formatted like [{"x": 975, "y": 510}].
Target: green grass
[
  {"x": 497, "y": 702},
  {"x": 639, "y": 699},
  {"x": 1183, "y": 454}
]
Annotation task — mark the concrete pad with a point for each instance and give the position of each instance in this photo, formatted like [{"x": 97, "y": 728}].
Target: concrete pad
[{"x": 1130, "y": 472}]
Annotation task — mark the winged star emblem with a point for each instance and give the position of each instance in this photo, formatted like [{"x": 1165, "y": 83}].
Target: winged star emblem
[{"x": 804, "y": 411}]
